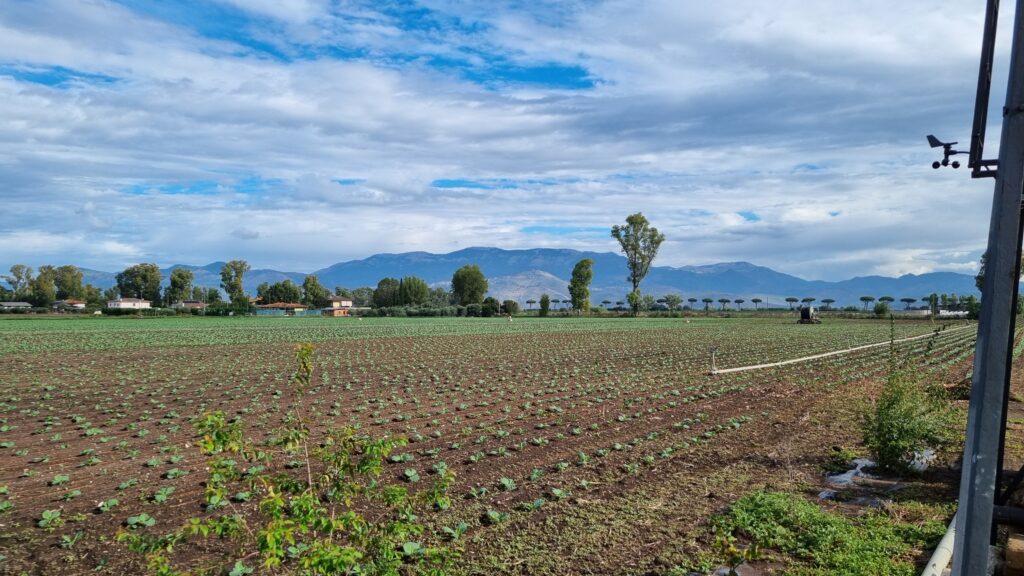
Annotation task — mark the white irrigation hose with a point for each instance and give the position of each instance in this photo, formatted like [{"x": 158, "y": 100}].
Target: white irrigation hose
[
  {"x": 943, "y": 552},
  {"x": 833, "y": 353}
]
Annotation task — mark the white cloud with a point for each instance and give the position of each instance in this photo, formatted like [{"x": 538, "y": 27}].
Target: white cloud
[{"x": 698, "y": 113}]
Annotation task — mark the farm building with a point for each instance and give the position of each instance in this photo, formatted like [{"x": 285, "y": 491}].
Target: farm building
[
  {"x": 281, "y": 309},
  {"x": 338, "y": 306},
  {"x": 129, "y": 304},
  {"x": 190, "y": 304},
  {"x": 8, "y": 306},
  {"x": 77, "y": 304}
]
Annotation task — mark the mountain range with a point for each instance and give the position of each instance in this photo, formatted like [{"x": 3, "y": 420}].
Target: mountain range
[{"x": 526, "y": 274}]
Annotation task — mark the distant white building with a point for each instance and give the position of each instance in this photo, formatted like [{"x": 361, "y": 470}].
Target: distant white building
[
  {"x": 129, "y": 304},
  {"x": 15, "y": 306}
]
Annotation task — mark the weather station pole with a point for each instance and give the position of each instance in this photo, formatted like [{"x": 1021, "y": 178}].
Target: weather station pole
[{"x": 977, "y": 505}]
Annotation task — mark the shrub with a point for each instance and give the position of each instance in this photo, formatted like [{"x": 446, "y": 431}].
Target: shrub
[
  {"x": 907, "y": 418},
  {"x": 490, "y": 307}
]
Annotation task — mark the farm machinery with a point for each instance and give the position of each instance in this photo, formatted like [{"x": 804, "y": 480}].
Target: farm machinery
[{"x": 808, "y": 315}]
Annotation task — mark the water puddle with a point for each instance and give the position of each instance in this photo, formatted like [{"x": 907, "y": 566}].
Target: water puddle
[
  {"x": 922, "y": 460},
  {"x": 846, "y": 478}
]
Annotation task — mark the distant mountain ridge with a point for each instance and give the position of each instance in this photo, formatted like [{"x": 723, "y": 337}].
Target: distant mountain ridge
[{"x": 526, "y": 274}]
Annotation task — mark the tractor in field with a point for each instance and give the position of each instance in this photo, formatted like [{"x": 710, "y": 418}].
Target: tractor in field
[{"x": 808, "y": 315}]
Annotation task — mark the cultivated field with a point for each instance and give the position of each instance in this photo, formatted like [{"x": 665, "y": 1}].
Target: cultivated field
[{"x": 578, "y": 445}]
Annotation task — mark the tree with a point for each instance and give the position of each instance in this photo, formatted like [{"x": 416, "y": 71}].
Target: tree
[
  {"x": 212, "y": 296},
  {"x": 140, "y": 281},
  {"x": 673, "y": 301},
  {"x": 545, "y": 304},
  {"x": 979, "y": 280},
  {"x": 756, "y": 301},
  {"x": 792, "y": 300},
  {"x": 635, "y": 301},
  {"x": 646, "y": 302},
  {"x": 362, "y": 297},
  {"x": 530, "y": 303},
  {"x": 386, "y": 293},
  {"x": 556, "y": 302},
  {"x": 887, "y": 299},
  {"x": 510, "y": 307},
  {"x": 42, "y": 288},
  {"x": 93, "y": 296},
  {"x": 579, "y": 285},
  {"x": 180, "y": 287},
  {"x": 828, "y": 303},
  {"x": 439, "y": 297},
  {"x": 283, "y": 291},
  {"x": 489, "y": 307},
  {"x": 19, "y": 280},
  {"x": 907, "y": 302},
  {"x": 232, "y": 275},
  {"x": 413, "y": 291},
  {"x": 68, "y": 281},
  {"x": 111, "y": 293},
  {"x": 739, "y": 303},
  {"x": 605, "y": 303},
  {"x": 469, "y": 285},
  {"x": 867, "y": 300},
  {"x": 640, "y": 242},
  {"x": 692, "y": 301},
  {"x": 707, "y": 304},
  {"x": 314, "y": 294},
  {"x": 724, "y": 302},
  {"x": 342, "y": 291}
]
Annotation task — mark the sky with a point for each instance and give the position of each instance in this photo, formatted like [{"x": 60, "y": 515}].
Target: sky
[{"x": 299, "y": 133}]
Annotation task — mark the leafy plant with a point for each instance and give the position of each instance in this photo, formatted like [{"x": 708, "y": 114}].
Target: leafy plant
[
  {"x": 142, "y": 519},
  {"x": 494, "y": 517},
  {"x": 68, "y": 541},
  {"x": 411, "y": 475},
  {"x": 162, "y": 494},
  {"x": 305, "y": 523},
  {"x": 456, "y": 532},
  {"x": 50, "y": 519}
]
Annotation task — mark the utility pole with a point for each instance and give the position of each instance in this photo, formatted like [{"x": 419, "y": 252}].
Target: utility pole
[{"x": 982, "y": 461}]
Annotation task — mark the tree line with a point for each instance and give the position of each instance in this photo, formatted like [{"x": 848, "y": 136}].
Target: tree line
[{"x": 638, "y": 240}]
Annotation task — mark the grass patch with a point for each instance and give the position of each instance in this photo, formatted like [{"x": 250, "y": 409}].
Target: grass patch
[
  {"x": 839, "y": 460},
  {"x": 821, "y": 542}
]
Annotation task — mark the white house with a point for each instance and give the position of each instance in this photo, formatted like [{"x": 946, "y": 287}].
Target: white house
[
  {"x": 15, "y": 306},
  {"x": 129, "y": 304}
]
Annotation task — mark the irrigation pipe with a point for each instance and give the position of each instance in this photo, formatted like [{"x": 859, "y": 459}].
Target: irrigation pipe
[
  {"x": 833, "y": 353},
  {"x": 943, "y": 552}
]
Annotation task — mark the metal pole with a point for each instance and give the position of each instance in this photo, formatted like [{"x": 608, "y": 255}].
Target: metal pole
[{"x": 978, "y": 477}]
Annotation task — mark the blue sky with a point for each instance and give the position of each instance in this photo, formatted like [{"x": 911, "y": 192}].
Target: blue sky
[{"x": 299, "y": 133}]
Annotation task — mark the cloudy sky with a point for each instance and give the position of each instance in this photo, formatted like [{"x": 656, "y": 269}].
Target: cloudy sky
[{"x": 299, "y": 133}]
